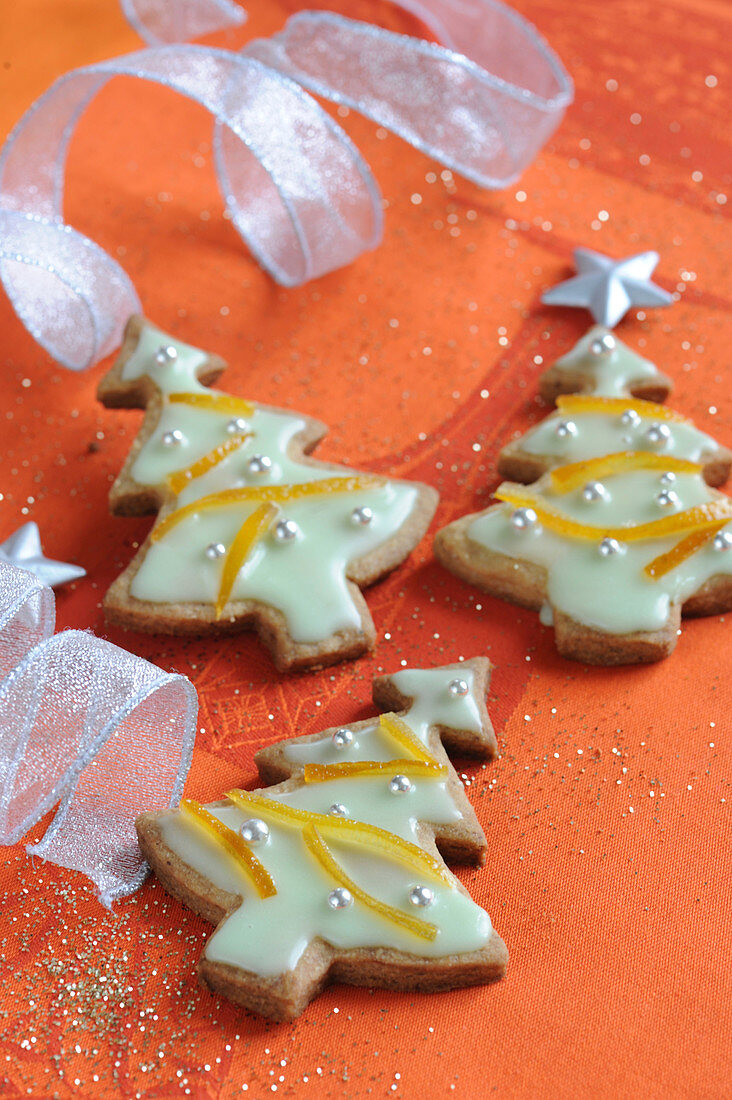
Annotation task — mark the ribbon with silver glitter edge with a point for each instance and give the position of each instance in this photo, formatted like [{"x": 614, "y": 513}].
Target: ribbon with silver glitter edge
[
  {"x": 89, "y": 727},
  {"x": 298, "y": 191}
]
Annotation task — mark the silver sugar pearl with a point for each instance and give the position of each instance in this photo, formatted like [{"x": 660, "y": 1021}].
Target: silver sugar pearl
[
  {"x": 604, "y": 345},
  {"x": 236, "y": 425},
  {"x": 458, "y": 687},
  {"x": 166, "y": 354},
  {"x": 421, "y": 896},
  {"x": 215, "y": 550},
  {"x": 286, "y": 530},
  {"x": 630, "y": 418},
  {"x": 343, "y": 737},
  {"x": 340, "y": 898},
  {"x": 608, "y": 547},
  {"x": 723, "y": 540},
  {"x": 658, "y": 434},
  {"x": 174, "y": 438},
  {"x": 362, "y": 516},
  {"x": 667, "y": 498},
  {"x": 594, "y": 490},
  {"x": 254, "y": 830},
  {"x": 566, "y": 428},
  {"x": 523, "y": 518},
  {"x": 668, "y": 478},
  {"x": 400, "y": 784},
  {"x": 259, "y": 464},
  {"x": 338, "y": 810}
]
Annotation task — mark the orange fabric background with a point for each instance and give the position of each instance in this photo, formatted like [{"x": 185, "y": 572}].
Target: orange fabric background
[{"x": 607, "y": 812}]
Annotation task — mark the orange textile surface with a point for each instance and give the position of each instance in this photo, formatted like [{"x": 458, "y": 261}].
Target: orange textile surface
[{"x": 607, "y": 812}]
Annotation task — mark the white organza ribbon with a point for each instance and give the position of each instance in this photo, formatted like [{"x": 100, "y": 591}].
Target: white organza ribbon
[
  {"x": 159, "y": 21},
  {"x": 484, "y": 111},
  {"x": 298, "y": 191},
  {"x": 89, "y": 726}
]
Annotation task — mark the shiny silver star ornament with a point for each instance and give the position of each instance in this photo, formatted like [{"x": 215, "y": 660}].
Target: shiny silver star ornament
[
  {"x": 23, "y": 549},
  {"x": 609, "y": 288}
]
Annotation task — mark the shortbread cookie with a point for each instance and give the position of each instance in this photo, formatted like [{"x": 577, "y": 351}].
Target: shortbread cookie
[
  {"x": 251, "y": 532},
  {"x": 611, "y": 551},
  {"x": 606, "y": 399},
  {"x": 335, "y": 874}
]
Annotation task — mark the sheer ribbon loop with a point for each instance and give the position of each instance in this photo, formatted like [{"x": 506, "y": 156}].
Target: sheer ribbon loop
[
  {"x": 90, "y": 727},
  {"x": 487, "y": 123},
  {"x": 300, "y": 193},
  {"x": 161, "y": 21}
]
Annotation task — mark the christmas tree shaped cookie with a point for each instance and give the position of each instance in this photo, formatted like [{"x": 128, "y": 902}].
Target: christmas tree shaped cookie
[
  {"x": 334, "y": 873},
  {"x": 621, "y": 534},
  {"x": 251, "y": 532}
]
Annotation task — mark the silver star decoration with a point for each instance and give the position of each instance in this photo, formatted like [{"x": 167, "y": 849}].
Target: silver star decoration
[
  {"x": 609, "y": 288},
  {"x": 23, "y": 549}
]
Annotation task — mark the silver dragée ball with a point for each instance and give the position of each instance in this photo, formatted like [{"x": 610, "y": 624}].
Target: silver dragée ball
[
  {"x": 723, "y": 540},
  {"x": 523, "y": 519},
  {"x": 166, "y": 354},
  {"x": 658, "y": 434},
  {"x": 286, "y": 530},
  {"x": 458, "y": 687},
  {"x": 342, "y": 738},
  {"x": 594, "y": 490},
  {"x": 608, "y": 547},
  {"x": 259, "y": 464},
  {"x": 400, "y": 784},
  {"x": 668, "y": 478},
  {"x": 421, "y": 896},
  {"x": 236, "y": 425},
  {"x": 340, "y": 898},
  {"x": 566, "y": 429},
  {"x": 174, "y": 438},
  {"x": 338, "y": 810},
  {"x": 362, "y": 516},
  {"x": 667, "y": 498},
  {"x": 215, "y": 550},
  {"x": 630, "y": 418},
  {"x": 254, "y": 830},
  {"x": 604, "y": 345}
]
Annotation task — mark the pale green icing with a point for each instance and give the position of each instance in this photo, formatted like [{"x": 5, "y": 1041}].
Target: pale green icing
[
  {"x": 177, "y": 376},
  {"x": 604, "y": 433},
  {"x": 433, "y": 705},
  {"x": 612, "y": 371},
  {"x": 269, "y": 936},
  {"x": 305, "y": 578},
  {"x": 609, "y": 593}
]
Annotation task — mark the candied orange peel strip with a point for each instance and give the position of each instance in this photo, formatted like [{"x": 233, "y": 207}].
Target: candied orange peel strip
[
  {"x": 315, "y": 843},
  {"x": 679, "y": 553},
  {"x": 181, "y": 478},
  {"x": 277, "y": 494},
  {"x": 234, "y": 844},
  {"x": 703, "y": 515},
  {"x": 575, "y": 474},
  {"x": 323, "y": 773},
  {"x": 346, "y": 830},
  {"x": 252, "y": 530},
  {"x": 214, "y": 402},
  {"x": 399, "y": 731},
  {"x": 579, "y": 403}
]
